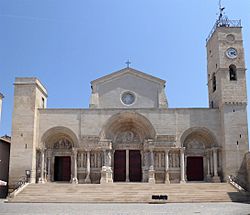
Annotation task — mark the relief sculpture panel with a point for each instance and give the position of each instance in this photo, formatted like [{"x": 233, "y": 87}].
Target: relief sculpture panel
[
  {"x": 127, "y": 137},
  {"x": 62, "y": 144}
]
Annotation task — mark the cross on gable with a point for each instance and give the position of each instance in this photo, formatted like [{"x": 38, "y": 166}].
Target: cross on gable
[{"x": 128, "y": 63}]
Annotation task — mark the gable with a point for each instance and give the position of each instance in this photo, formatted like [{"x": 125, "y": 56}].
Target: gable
[
  {"x": 125, "y": 71},
  {"x": 127, "y": 88}
]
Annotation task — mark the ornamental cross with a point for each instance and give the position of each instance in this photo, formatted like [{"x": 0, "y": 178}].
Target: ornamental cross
[{"x": 128, "y": 63}]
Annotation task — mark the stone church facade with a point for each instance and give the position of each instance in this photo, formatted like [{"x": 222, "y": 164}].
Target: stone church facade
[{"x": 128, "y": 133}]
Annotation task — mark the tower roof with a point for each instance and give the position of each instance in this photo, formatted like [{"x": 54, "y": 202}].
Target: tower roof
[{"x": 223, "y": 21}]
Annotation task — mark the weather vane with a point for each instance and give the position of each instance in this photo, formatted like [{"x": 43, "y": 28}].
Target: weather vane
[
  {"x": 128, "y": 63},
  {"x": 221, "y": 10}
]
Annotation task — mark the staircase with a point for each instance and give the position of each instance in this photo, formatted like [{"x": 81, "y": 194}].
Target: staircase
[{"x": 129, "y": 193}]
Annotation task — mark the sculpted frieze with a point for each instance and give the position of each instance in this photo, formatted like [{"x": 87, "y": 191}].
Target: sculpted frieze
[
  {"x": 89, "y": 142},
  {"x": 89, "y": 138},
  {"x": 62, "y": 144},
  {"x": 166, "y": 138},
  {"x": 194, "y": 144},
  {"x": 127, "y": 137},
  {"x": 161, "y": 142}
]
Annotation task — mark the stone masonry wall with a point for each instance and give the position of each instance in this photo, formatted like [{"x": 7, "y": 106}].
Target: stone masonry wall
[{"x": 248, "y": 168}]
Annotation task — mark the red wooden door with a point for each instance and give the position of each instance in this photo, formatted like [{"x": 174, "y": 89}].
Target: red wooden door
[
  {"x": 195, "y": 169},
  {"x": 135, "y": 174},
  {"x": 120, "y": 165},
  {"x": 62, "y": 168}
]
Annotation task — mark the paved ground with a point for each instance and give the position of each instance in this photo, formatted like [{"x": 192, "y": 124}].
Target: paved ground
[{"x": 125, "y": 209}]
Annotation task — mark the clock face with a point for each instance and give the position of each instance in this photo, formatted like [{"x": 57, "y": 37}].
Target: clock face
[
  {"x": 128, "y": 98},
  {"x": 231, "y": 53}
]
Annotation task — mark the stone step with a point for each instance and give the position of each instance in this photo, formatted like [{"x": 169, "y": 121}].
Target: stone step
[{"x": 129, "y": 193}]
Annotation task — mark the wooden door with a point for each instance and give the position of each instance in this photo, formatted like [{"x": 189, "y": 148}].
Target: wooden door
[
  {"x": 135, "y": 174},
  {"x": 195, "y": 169},
  {"x": 120, "y": 165},
  {"x": 62, "y": 168}
]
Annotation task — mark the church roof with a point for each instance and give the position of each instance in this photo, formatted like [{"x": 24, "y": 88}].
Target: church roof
[
  {"x": 5, "y": 138},
  {"x": 128, "y": 70}
]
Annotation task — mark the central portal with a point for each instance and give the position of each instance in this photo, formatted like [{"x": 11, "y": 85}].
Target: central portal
[
  {"x": 127, "y": 166},
  {"x": 62, "y": 169}
]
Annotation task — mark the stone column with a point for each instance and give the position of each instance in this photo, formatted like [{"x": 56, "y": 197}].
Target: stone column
[
  {"x": 152, "y": 163},
  {"x": 49, "y": 168},
  {"x": 182, "y": 165},
  {"x": 215, "y": 177},
  {"x": 104, "y": 158},
  {"x": 208, "y": 167},
  {"x": 215, "y": 161},
  {"x": 167, "y": 167},
  {"x": 151, "y": 171},
  {"x": 41, "y": 179},
  {"x": 87, "y": 179},
  {"x": 174, "y": 159},
  {"x": 82, "y": 160},
  {"x": 75, "y": 180},
  {"x": 127, "y": 165},
  {"x": 142, "y": 165},
  {"x": 211, "y": 162},
  {"x": 45, "y": 167}
]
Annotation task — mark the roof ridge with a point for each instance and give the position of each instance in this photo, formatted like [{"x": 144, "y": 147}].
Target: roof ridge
[{"x": 127, "y": 70}]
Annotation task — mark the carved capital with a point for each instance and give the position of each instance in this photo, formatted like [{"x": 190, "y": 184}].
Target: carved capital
[{"x": 182, "y": 149}]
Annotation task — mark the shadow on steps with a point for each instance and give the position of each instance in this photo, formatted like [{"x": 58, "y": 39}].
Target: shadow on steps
[{"x": 243, "y": 197}]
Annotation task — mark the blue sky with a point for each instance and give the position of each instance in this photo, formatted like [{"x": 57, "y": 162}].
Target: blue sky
[{"x": 66, "y": 44}]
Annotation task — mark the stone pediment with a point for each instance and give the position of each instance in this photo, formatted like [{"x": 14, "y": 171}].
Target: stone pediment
[
  {"x": 128, "y": 88},
  {"x": 126, "y": 71}
]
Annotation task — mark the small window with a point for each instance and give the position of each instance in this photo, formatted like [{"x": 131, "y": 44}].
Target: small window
[
  {"x": 212, "y": 104},
  {"x": 232, "y": 73},
  {"x": 43, "y": 103},
  {"x": 214, "y": 82}
]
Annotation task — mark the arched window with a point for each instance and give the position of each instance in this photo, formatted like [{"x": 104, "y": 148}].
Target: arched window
[
  {"x": 214, "y": 82},
  {"x": 232, "y": 73}
]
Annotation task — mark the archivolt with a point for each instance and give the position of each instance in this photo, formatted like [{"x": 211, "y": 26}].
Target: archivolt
[
  {"x": 128, "y": 121},
  {"x": 55, "y": 134},
  {"x": 201, "y": 133}
]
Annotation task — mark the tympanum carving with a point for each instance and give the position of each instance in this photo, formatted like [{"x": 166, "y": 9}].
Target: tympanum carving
[
  {"x": 127, "y": 137},
  {"x": 62, "y": 144}
]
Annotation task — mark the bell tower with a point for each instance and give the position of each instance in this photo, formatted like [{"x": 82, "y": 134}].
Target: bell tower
[{"x": 226, "y": 74}]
